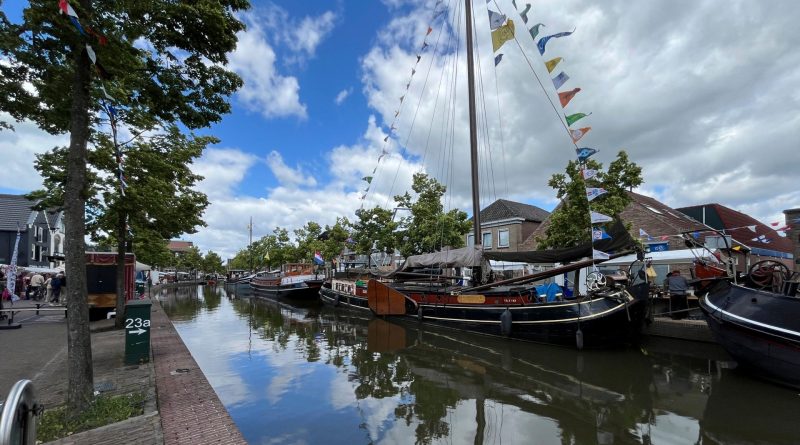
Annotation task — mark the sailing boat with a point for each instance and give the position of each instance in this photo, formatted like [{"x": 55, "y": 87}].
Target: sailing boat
[
  {"x": 609, "y": 314},
  {"x": 756, "y": 318}
]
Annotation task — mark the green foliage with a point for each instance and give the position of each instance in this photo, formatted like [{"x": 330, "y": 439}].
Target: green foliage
[
  {"x": 334, "y": 238},
  {"x": 192, "y": 259},
  {"x": 104, "y": 410},
  {"x": 178, "y": 76},
  {"x": 569, "y": 223},
  {"x": 212, "y": 263},
  {"x": 429, "y": 227},
  {"x": 308, "y": 241},
  {"x": 376, "y": 228}
]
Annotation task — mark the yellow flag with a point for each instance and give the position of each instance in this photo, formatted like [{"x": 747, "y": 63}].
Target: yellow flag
[
  {"x": 502, "y": 35},
  {"x": 551, "y": 64},
  {"x": 266, "y": 256}
]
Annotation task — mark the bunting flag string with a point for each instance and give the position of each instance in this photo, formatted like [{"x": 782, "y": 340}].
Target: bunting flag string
[
  {"x": 572, "y": 118},
  {"x": 600, "y": 255},
  {"x": 534, "y": 31},
  {"x": 599, "y": 233},
  {"x": 585, "y": 153},
  {"x": 497, "y": 59},
  {"x": 551, "y": 64},
  {"x": 578, "y": 134},
  {"x": 588, "y": 173},
  {"x": 543, "y": 41},
  {"x": 599, "y": 218},
  {"x": 106, "y": 102},
  {"x": 496, "y": 20},
  {"x": 594, "y": 192},
  {"x": 524, "y": 13},
  {"x": 560, "y": 80},
  {"x": 438, "y": 10},
  {"x": 502, "y": 35},
  {"x": 567, "y": 96}
]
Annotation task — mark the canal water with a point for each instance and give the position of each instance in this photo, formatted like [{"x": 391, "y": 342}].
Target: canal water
[{"x": 316, "y": 375}]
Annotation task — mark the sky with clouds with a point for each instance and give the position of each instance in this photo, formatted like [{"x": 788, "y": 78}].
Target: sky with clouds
[{"x": 701, "y": 95}]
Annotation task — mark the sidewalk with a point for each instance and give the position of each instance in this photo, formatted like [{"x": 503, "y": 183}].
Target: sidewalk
[{"x": 180, "y": 407}]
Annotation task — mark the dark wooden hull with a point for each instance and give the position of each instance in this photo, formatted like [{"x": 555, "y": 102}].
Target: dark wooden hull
[
  {"x": 334, "y": 298},
  {"x": 760, "y": 330},
  {"x": 604, "y": 321},
  {"x": 299, "y": 291}
]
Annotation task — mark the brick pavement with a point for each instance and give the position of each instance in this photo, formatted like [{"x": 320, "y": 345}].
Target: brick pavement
[{"x": 191, "y": 412}]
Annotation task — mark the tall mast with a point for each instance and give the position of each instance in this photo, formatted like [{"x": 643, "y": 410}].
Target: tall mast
[
  {"x": 250, "y": 246},
  {"x": 473, "y": 130}
]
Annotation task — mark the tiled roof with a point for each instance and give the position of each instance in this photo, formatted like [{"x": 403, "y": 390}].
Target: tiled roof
[
  {"x": 15, "y": 211},
  {"x": 646, "y": 213},
  {"x": 179, "y": 246},
  {"x": 738, "y": 225},
  {"x": 504, "y": 209}
]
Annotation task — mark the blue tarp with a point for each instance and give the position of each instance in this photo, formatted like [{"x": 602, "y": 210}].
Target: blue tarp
[{"x": 550, "y": 292}]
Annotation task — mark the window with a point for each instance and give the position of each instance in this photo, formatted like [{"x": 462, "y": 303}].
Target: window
[
  {"x": 502, "y": 238},
  {"x": 470, "y": 240},
  {"x": 487, "y": 240}
]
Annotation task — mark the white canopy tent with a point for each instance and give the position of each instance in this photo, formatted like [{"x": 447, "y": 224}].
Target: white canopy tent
[{"x": 682, "y": 256}]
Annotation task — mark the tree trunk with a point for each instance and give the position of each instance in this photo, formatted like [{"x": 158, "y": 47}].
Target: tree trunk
[
  {"x": 121, "y": 242},
  {"x": 79, "y": 368}
]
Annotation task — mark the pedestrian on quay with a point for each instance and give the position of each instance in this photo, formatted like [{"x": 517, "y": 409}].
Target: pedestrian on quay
[
  {"x": 19, "y": 287},
  {"x": 56, "y": 285},
  {"x": 48, "y": 285},
  {"x": 37, "y": 281}
]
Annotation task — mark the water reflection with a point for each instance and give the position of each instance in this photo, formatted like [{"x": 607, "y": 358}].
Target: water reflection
[{"x": 292, "y": 374}]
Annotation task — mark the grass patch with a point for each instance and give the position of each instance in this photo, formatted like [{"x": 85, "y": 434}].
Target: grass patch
[{"x": 104, "y": 410}]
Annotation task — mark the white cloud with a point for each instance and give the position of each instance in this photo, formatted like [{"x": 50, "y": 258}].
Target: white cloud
[
  {"x": 287, "y": 175},
  {"x": 310, "y": 32},
  {"x": 340, "y": 98},
  {"x": 265, "y": 90},
  {"x": 222, "y": 170},
  {"x": 19, "y": 148},
  {"x": 681, "y": 90}
]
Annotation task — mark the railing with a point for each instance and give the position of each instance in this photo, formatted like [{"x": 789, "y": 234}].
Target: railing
[{"x": 18, "y": 415}]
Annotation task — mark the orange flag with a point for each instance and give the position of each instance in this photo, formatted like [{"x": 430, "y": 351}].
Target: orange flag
[{"x": 567, "y": 96}]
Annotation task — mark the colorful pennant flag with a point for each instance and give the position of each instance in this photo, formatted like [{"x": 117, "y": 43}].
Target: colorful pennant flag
[
  {"x": 496, "y": 19},
  {"x": 524, "y": 13},
  {"x": 559, "y": 80},
  {"x": 497, "y": 59},
  {"x": 502, "y": 35},
  {"x": 594, "y": 192},
  {"x": 752, "y": 228},
  {"x": 585, "y": 153},
  {"x": 578, "y": 134},
  {"x": 567, "y": 96},
  {"x": 66, "y": 8},
  {"x": 762, "y": 239},
  {"x": 534, "y": 31},
  {"x": 91, "y": 54},
  {"x": 600, "y": 255},
  {"x": 572, "y": 118},
  {"x": 551, "y": 64},
  {"x": 543, "y": 41},
  {"x": 318, "y": 258},
  {"x": 589, "y": 173},
  {"x": 643, "y": 234},
  {"x": 599, "y": 234},
  {"x": 599, "y": 218},
  {"x": 368, "y": 179}
]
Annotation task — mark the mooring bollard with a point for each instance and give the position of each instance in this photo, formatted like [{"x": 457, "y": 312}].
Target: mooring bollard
[{"x": 18, "y": 416}]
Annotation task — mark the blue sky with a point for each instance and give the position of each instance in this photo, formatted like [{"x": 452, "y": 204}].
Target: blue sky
[{"x": 703, "y": 98}]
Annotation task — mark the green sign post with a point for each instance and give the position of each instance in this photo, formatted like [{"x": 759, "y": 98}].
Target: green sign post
[{"x": 137, "y": 332}]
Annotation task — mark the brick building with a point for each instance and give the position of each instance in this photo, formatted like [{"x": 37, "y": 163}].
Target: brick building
[
  {"x": 793, "y": 234},
  {"x": 505, "y": 225},
  {"x": 759, "y": 240}
]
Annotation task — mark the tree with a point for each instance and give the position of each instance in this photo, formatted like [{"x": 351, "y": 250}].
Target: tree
[
  {"x": 334, "y": 238},
  {"x": 47, "y": 77},
  {"x": 569, "y": 223},
  {"x": 212, "y": 263},
  {"x": 374, "y": 228},
  {"x": 308, "y": 241},
  {"x": 429, "y": 227}
]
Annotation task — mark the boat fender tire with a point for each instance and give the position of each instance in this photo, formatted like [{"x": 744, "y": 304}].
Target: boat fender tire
[
  {"x": 419, "y": 313},
  {"x": 505, "y": 323}
]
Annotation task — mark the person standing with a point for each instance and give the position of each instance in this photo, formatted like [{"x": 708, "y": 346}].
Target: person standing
[
  {"x": 48, "y": 285},
  {"x": 37, "y": 281},
  {"x": 56, "y": 285}
]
